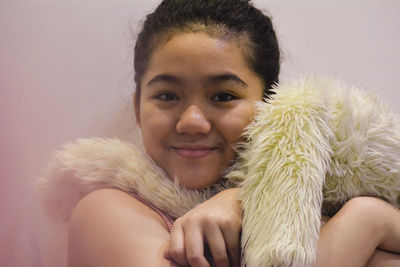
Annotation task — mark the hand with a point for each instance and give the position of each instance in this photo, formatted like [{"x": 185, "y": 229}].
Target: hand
[{"x": 217, "y": 223}]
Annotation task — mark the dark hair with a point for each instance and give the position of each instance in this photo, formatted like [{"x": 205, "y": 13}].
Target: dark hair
[{"x": 227, "y": 18}]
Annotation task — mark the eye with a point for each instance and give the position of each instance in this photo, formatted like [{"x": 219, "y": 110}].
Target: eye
[
  {"x": 167, "y": 96},
  {"x": 223, "y": 97}
]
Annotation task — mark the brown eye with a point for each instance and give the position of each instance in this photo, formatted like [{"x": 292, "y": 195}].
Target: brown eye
[
  {"x": 223, "y": 97},
  {"x": 167, "y": 96}
]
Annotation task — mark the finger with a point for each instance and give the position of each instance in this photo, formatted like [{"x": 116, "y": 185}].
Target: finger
[
  {"x": 169, "y": 258},
  {"x": 176, "y": 250},
  {"x": 232, "y": 242},
  {"x": 166, "y": 253},
  {"x": 217, "y": 245},
  {"x": 194, "y": 246}
]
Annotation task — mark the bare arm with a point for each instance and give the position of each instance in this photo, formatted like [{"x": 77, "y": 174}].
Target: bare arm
[
  {"x": 358, "y": 232},
  {"x": 111, "y": 228}
]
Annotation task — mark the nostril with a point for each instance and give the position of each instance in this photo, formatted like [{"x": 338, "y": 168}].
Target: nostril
[{"x": 193, "y": 121}]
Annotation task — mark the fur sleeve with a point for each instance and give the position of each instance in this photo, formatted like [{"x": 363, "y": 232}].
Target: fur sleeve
[
  {"x": 317, "y": 142},
  {"x": 283, "y": 166}
]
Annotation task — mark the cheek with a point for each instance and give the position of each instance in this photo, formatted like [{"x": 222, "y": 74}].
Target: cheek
[
  {"x": 155, "y": 126},
  {"x": 153, "y": 118},
  {"x": 233, "y": 123}
]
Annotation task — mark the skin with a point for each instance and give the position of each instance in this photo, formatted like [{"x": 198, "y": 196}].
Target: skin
[
  {"x": 362, "y": 233},
  {"x": 211, "y": 223},
  {"x": 110, "y": 228}
]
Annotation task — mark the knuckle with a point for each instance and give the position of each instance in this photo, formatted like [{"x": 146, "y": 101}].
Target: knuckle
[
  {"x": 178, "y": 222},
  {"x": 192, "y": 219},
  {"x": 208, "y": 219},
  {"x": 232, "y": 225},
  {"x": 176, "y": 253},
  {"x": 188, "y": 220},
  {"x": 220, "y": 260},
  {"x": 226, "y": 222},
  {"x": 215, "y": 219},
  {"x": 194, "y": 259},
  {"x": 234, "y": 252}
]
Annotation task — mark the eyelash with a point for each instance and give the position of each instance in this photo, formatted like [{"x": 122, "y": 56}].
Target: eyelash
[
  {"x": 230, "y": 97},
  {"x": 169, "y": 97}
]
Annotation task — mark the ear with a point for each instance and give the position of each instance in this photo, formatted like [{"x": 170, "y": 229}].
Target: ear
[{"x": 136, "y": 105}]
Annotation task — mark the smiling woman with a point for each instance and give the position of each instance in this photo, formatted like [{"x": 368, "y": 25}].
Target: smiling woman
[
  {"x": 197, "y": 96},
  {"x": 200, "y": 66}
]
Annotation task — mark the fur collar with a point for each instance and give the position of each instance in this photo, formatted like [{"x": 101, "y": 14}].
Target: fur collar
[{"x": 90, "y": 164}]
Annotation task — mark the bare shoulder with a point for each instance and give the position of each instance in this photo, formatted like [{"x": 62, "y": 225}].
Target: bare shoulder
[
  {"x": 109, "y": 227},
  {"x": 112, "y": 202}
]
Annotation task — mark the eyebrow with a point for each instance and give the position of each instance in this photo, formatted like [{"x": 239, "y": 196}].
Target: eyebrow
[
  {"x": 165, "y": 78},
  {"x": 212, "y": 79},
  {"x": 227, "y": 77}
]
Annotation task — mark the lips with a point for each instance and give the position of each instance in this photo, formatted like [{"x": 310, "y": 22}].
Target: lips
[{"x": 194, "y": 151}]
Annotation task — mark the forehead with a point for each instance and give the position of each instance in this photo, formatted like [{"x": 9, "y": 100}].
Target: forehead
[
  {"x": 197, "y": 54},
  {"x": 217, "y": 31}
]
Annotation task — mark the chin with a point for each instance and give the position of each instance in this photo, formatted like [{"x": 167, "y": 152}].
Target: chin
[{"x": 196, "y": 181}]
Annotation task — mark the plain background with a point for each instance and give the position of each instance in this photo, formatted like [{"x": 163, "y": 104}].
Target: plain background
[{"x": 66, "y": 72}]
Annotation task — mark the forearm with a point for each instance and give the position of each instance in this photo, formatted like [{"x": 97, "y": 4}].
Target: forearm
[
  {"x": 382, "y": 258},
  {"x": 391, "y": 238},
  {"x": 352, "y": 236},
  {"x": 343, "y": 242}
]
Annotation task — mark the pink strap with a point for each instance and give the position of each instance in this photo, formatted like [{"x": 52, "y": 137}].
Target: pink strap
[{"x": 169, "y": 221}]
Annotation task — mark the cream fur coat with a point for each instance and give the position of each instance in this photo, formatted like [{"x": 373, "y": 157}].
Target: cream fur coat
[{"x": 316, "y": 142}]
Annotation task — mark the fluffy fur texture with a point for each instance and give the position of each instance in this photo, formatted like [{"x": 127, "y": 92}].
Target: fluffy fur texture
[
  {"x": 317, "y": 141},
  {"x": 91, "y": 164},
  {"x": 313, "y": 147}
]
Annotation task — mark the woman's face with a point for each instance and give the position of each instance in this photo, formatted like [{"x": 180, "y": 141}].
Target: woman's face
[{"x": 197, "y": 97}]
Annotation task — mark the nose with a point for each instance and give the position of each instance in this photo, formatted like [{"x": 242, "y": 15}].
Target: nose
[{"x": 193, "y": 121}]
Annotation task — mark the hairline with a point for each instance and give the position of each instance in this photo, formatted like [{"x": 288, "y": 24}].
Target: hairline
[{"x": 212, "y": 29}]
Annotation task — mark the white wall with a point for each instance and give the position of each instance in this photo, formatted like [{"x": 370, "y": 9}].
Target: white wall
[
  {"x": 355, "y": 40},
  {"x": 65, "y": 72}
]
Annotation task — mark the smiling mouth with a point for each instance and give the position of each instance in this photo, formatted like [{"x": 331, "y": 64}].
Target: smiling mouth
[{"x": 194, "y": 152}]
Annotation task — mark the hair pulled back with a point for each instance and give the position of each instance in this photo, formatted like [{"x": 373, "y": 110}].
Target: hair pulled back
[{"x": 238, "y": 17}]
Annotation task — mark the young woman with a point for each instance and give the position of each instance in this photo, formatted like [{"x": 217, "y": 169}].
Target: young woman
[{"x": 199, "y": 67}]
